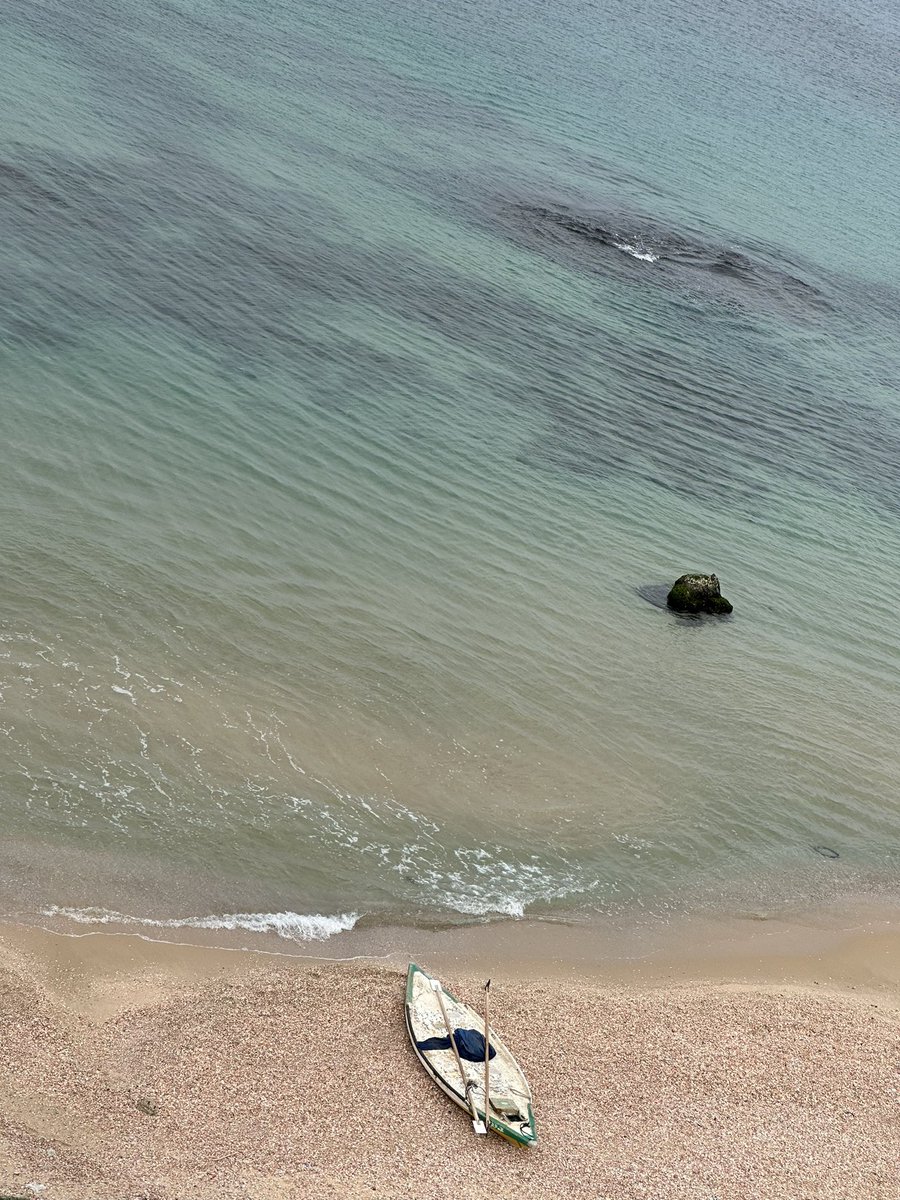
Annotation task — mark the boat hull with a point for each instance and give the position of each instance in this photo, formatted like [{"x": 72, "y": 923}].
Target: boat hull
[{"x": 507, "y": 1080}]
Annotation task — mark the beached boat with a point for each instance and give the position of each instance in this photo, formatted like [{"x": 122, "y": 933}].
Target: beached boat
[{"x": 449, "y": 1040}]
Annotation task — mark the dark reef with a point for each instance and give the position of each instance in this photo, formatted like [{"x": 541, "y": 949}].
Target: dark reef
[{"x": 695, "y": 593}]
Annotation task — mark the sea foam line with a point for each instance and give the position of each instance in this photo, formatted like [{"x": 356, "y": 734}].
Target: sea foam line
[{"x": 295, "y": 927}]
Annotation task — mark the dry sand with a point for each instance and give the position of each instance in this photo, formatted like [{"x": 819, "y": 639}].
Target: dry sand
[{"x": 273, "y": 1079}]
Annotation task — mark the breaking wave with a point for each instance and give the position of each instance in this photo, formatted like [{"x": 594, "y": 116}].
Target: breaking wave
[
  {"x": 295, "y": 927},
  {"x": 637, "y": 252}
]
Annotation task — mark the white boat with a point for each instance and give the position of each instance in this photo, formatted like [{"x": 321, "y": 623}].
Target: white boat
[{"x": 447, "y": 1056}]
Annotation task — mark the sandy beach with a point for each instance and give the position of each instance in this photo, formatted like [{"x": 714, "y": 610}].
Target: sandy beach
[{"x": 133, "y": 1069}]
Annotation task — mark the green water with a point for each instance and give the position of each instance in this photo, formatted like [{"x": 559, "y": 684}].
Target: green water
[{"x": 364, "y": 370}]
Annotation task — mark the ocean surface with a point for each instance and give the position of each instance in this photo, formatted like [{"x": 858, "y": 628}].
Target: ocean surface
[{"x": 368, "y": 373}]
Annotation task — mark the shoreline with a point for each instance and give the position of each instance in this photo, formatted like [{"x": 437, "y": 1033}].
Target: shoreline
[
  {"x": 732, "y": 1071},
  {"x": 849, "y": 946}
]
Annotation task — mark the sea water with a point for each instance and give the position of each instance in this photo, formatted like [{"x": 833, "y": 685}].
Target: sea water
[{"x": 368, "y": 374}]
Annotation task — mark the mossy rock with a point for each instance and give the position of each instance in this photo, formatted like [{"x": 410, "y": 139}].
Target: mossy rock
[{"x": 695, "y": 593}]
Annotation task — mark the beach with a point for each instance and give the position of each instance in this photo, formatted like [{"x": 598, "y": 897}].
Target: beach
[{"x": 133, "y": 1069}]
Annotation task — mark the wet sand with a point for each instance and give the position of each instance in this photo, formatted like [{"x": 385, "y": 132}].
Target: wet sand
[{"x": 138, "y": 1069}]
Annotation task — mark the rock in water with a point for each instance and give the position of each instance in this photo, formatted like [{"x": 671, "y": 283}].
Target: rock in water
[{"x": 697, "y": 594}]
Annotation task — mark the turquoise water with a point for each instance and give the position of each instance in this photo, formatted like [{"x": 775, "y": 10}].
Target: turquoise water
[{"x": 365, "y": 369}]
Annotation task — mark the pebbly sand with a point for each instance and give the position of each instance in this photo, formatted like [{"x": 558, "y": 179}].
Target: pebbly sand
[{"x": 136, "y": 1070}]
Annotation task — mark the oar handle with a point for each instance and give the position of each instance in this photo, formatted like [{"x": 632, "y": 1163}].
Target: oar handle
[
  {"x": 477, "y": 1124},
  {"x": 487, "y": 1056}
]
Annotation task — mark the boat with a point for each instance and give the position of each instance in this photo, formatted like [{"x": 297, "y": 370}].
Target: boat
[{"x": 449, "y": 1041}]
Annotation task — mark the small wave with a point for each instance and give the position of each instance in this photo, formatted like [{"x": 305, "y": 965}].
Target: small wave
[
  {"x": 501, "y": 906},
  {"x": 295, "y": 927},
  {"x": 637, "y": 252},
  {"x": 432, "y": 869}
]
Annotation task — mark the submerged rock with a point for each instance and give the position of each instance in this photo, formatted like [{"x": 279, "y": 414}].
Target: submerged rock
[{"x": 697, "y": 594}]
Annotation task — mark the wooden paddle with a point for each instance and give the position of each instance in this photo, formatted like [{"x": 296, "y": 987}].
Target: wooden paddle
[
  {"x": 477, "y": 1124},
  {"x": 487, "y": 1057}
]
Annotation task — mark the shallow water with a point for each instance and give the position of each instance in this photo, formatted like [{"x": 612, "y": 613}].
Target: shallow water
[{"x": 362, "y": 372}]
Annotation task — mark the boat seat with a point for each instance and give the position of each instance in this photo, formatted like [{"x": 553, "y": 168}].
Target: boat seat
[{"x": 507, "y": 1106}]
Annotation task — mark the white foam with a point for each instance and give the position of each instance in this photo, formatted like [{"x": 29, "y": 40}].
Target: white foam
[
  {"x": 637, "y": 252},
  {"x": 296, "y": 927},
  {"x": 502, "y": 906}
]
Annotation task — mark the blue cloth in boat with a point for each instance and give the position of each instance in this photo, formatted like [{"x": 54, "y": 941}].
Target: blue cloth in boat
[{"x": 469, "y": 1043}]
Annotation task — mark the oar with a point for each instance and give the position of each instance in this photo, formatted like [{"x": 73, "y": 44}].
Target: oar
[
  {"x": 487, "y": 1057},
  {"x": 477, "y": 1124}
]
